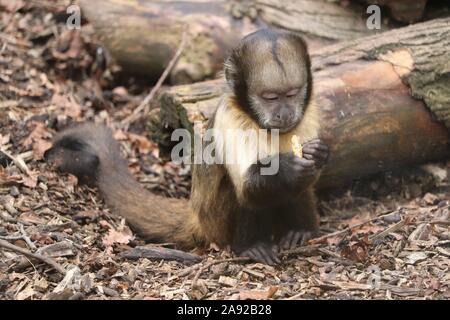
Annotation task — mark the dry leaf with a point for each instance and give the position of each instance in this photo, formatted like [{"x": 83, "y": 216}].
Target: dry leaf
[
  {"x": 356, "y": 249},
  {"x": 122, "y": 235},
  {"x": 120, "y": 135},
  {"x": 6, "y": 179},
  {"x": 32, "y": 218},
  {"x": 38, "y": 131},
  {"x": 141, "y": 143},
  {"x": 41, "y": 238},
  {"x": 68, "y": 105},
  {"x": 39, "y": 149},
  {"x": 38, "y": 139},
  {"x": 415, "y": 257},
  {"x": 227, "y": 281},
  {"x": 30, "y": 180},
  {"x": 26, "y": 293}
]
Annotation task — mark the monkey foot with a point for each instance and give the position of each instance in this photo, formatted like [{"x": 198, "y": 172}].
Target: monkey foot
[
  {"x": 295, "y": 238},
  {"x": 262, "y": 252}
]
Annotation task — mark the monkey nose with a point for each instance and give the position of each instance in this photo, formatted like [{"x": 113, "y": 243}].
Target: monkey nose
[{"x": 283, "y": 116}]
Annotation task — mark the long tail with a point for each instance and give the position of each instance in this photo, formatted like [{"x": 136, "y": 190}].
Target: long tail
[{"x": 91, "y": 153}]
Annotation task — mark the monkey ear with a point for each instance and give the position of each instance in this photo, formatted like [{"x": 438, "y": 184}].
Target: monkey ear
[{"x": 229, "y": 70}]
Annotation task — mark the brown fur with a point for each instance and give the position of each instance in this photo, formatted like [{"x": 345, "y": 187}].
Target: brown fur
[
  {"x": 154, "y": 217},
  {"x": 223, "y": 209}
]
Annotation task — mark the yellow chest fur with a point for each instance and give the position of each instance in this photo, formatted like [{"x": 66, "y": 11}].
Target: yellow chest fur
[
  {"x": 230, "y": 117},
  {"x": 247, "y": 149}
]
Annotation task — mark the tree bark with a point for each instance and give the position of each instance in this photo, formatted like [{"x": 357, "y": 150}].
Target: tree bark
[
  {"x": 143, "y": 35},
  {"x": 376, "y": 96}
]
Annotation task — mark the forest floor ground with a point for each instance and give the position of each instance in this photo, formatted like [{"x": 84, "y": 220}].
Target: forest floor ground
[{"x": 51, "y": 77}]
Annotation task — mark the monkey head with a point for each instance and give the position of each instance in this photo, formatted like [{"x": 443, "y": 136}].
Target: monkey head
[{"x": 269, "y": 73}]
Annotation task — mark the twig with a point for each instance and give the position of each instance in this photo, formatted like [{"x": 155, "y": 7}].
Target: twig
[
  {"x": 18, "y": 161},
  {"x": 159, "y": 253},
  {"x": 26, "y": 237},
  {"x": 145, "y": 104},
  {"x": 210, "y": 264},
  {"x": 296, "y": 296},
  {"x": 310, "y": 249},
  {"x": 29, "y": 254},
  {"x": 440, "y": 222},
  {"x": 337, "y": 233},
  {"x": 13, "y": 238},
  {"x": 386, "y": 231}
]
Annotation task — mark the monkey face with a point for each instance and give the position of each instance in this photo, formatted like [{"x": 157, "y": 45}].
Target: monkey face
[
  {"x": 270, "y": 75},
  {"x": 281, "y": 110}
]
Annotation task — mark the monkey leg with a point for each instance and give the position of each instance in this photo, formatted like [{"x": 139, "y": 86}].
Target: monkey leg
[
  {"x": 254, "y": 236},
  {"x": 300, "y": 221}
]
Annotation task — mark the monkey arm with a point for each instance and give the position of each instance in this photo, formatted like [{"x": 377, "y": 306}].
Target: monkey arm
[{"x": 294, "y": 175}]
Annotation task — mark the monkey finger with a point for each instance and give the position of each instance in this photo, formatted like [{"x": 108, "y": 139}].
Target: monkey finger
[
  {"x": 275, "y": 249},
  {"x": 272, "y": 257},
  {"x": 252, "y": 254},
  {"x": 315, "y": 147},
  {"x": 314, "y": 150},
  {"x": 286, "y": 240},
  {"x": 316, "y": 156},
  {"x": 276, "y": 259},
  {"x": 305, "y": 163},
  {"x": 295, "y": 240},
  {"x": 306, "y": 236},
  {"x": 247, "y": 254},
  {"x": 259, "y": 254},
  {"x": 264, "y": 257},
  {"x": 313, "y": 141},
  {"x": 265, "y": 254}
]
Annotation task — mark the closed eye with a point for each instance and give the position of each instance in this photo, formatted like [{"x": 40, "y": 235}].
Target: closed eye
[
  {"x": 270, "y": 96},
  {"x": 293, "y": 93}
]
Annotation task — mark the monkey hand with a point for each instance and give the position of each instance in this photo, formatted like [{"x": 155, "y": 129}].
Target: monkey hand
[
  {"x": 295, "y": 238},
  {"x": 262, "y": 252},
  {"x": 296, "y": 172},
  {"x": 317, "y": 151}
]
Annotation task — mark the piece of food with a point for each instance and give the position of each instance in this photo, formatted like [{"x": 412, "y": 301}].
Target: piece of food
[{"x": 297, "y": 146}]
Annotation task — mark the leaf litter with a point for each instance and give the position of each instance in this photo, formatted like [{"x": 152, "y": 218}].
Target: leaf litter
[{"x": 387, "y": 238}]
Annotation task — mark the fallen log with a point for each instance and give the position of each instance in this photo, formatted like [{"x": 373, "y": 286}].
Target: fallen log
[
  {"x": 376, "y": 98},
  {"x": 143, "y": 35}
]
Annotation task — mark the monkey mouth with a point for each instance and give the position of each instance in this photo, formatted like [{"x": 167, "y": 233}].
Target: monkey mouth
[{"x": 283, "y": 128}]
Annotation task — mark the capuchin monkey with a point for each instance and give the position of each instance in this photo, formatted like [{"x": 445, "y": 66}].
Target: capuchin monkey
[{"x": 232, "y": 203}]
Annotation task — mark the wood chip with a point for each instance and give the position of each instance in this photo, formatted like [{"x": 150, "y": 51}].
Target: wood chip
[
  {"x": 60, "y": 249},
  {"x": 227, "y": 281}
]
